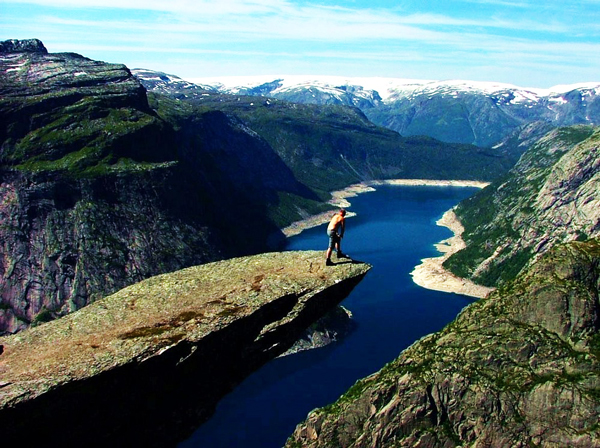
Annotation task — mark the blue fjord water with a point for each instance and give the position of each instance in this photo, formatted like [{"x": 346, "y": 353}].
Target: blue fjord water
[{"x": 395, "y": 228}]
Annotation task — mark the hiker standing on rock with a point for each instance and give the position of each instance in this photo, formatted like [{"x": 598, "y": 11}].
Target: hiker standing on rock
[{"x": 335, "y": 231}]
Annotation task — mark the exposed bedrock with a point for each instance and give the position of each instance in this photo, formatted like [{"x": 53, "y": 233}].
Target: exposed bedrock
[{"x": 148, "y": 364}]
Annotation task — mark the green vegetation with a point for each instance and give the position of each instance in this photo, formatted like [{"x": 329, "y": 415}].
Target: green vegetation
[
  {"x": 330, "y": 147},
  {"x": 291, "y": 207},
  {"x": 45, "y": 315}
]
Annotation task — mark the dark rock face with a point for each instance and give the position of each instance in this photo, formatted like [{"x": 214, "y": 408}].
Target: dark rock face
[
  {"x": 145, "y": 366},
  {"x": 87, "y": 187},
  {"x": 66, "y": 243},
  {"x": 98, "y": 192},
  {"x": 22, "y": 46},
  {"x": 520, "y": 368}
]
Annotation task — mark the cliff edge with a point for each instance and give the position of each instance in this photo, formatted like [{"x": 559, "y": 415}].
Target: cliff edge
[{"x": 153, "y": 359}]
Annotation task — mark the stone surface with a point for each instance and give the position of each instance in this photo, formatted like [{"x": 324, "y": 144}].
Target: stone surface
[
  {"x": 149, "y": 362},
  {"x": 520, "y": 368},
  {"x": 22, "y": 46}
]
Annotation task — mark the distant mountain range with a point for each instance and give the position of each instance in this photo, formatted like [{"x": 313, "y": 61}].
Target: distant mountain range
[{"x": 480, "y": 113}]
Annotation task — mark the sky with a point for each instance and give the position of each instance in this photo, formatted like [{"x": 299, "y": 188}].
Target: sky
[{"x": 528, "y": 43}]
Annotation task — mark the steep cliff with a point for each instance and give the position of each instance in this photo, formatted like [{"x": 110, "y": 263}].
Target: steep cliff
[
  {"x": 520, "y": 368},
  {"x": 103, "y": 185},
  {"x": 148, "y": 364},
  {"x": 98, "y": 192},
  {"x": 550, "y": 196}
]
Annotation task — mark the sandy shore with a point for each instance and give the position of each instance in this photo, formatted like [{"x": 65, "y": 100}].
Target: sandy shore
[
  {"x": 430, "y": 273},
  {"x": 430, "y": 183},
  {"x": 338, "y": 199}
]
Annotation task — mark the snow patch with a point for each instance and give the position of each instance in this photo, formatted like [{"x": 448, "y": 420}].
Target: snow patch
[
  {"x": 393, "y": 89},
  {"x": 15, "y": 67}
]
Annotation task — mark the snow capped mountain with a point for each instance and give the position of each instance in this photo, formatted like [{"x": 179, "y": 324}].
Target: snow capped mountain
[
  {"x": 162, "y": 82},
  {"x": 457, "y": 111},
  {"x": 388, "y": 89}
]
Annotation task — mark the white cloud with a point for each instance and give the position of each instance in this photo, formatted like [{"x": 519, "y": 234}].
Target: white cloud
[{"x": 487, "y": 33}]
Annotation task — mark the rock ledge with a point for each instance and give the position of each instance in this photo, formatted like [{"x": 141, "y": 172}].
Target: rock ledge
[{"x": 161, "y": 353}]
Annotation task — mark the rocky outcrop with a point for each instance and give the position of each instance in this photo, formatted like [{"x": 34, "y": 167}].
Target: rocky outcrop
[
  {"x": 85, "y": 172},
  {"x": 333, "y": 327},
  {"x": 149, "y": 363},
  {"x": 549, "y": 197},
  {"x": 520, "y": 368},
  {"x": 22, "y": 46},
  {"x": 52, "y": 104}
]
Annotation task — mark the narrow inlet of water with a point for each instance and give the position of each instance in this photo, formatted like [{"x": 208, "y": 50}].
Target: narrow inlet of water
[{"x": 393, "y": 230}]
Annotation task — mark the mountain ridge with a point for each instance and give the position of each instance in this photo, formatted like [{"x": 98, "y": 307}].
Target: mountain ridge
[
  {"x": 454, "y": 111},
  {"x": 386, "y": 88}
]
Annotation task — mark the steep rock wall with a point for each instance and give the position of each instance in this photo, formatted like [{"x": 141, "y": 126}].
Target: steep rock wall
[
  {"x": 66, "y": 243},
  {"x": 549, "y": 197},
  {"x": 97, "y": 191}
]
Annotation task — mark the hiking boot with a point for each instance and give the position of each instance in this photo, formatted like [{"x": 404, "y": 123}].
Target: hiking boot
[
  {"x": 328, "y": 262},
  {"x": 342, "y": 255}
]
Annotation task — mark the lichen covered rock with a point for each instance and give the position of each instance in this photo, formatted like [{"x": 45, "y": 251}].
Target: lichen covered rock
[{"x": 152, "y": 360}]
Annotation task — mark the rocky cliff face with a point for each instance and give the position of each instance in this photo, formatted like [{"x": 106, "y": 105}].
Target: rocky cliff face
[
  {"x": 98, "y": 192},
  {"x": 520, "y": 368},
  {"x": 550, "y": 196},
  {"x": 89, "y": 186},
  {"x": 66, "y": 243},
  {"x": 148, "y": 364},
  {"x": 102, "y": 185}
]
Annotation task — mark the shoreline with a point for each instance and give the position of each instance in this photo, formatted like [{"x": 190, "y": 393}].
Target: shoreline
[
  {"x": 339, "y": 198},
  {"x": 430, "y": 274}
]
